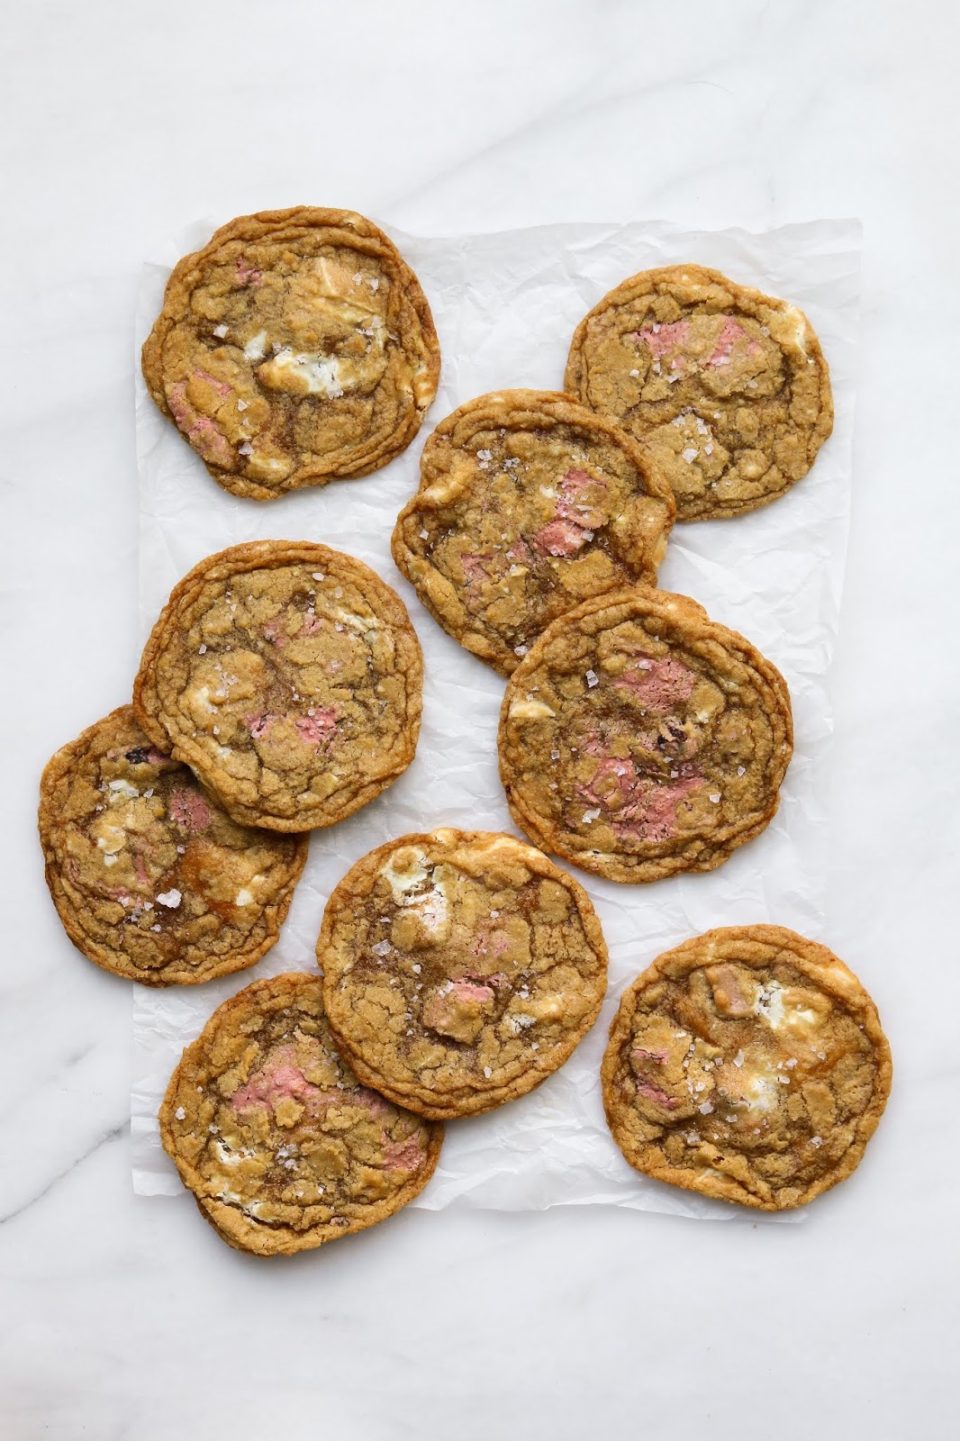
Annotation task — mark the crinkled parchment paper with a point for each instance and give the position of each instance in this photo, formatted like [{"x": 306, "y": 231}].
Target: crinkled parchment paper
[{"x": 505, "y": 307}]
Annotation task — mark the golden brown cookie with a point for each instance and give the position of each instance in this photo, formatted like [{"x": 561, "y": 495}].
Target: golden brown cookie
[
  {"x": 273, "y": 1133},
  {"x": 151, "y": 879},
  {"x": 747, "y": 1064},
  {"x": 639, "y": 738},
  {"x": 296, "y": 347},
  {"x": 528, "y": 504},
  {"x": 726, "y": 386},
  {"x": 460, "y": 969},
  {"x": 289, "y": 677}
]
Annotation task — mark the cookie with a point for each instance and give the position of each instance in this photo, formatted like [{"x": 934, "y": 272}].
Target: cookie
[
  {"x": 727, "y": 387},
  {"x": 748, "y": 1064},
  {"x": 528, "y": 504},
  {"x": 152, "y": 880},
  {"x": 460, "y": 970},
  {"x": 281, "y": 1145},
  {"x": 296, "y": 347},
  {"x": 289, "y": 677},
  {"x": 639, "y": 738}
]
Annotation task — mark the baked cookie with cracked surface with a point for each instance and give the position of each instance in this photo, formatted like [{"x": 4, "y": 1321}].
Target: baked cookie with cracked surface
[
  {"x": 289, "y": 677},
  {"x": 151, "y": 879},
  {"x": 296, "y": 347},
  {"x": 727, "y": 387},
  {"x": 281, "y": 1145},
  {"x": 528, "y": 504},
  {"x": 640, "y": 738},
  {"x": 747, "y": 1064},
  {"x": 461, "y": 968}
]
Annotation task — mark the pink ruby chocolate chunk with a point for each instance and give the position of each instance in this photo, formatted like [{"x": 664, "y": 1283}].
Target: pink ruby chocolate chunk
[
  {"x": 574, "y": 501},
  {"x": 455, "y": 1004},
  {"x": 247, "y": 274},
  {"x": 731, "y": 331},
  {"x": 645, "y": 1061},
  {"x": 273, "y": 632},
  {"x": 639, "y": 1054},
  {"x": 560, "y": 537},
  {"x": 368, "y": 1100},
  {"x": 658, "y": 684},
  {"x": 188, "y": 809},
  {"x": 408, "y": 1155},
  {"x": 640, "y": 807},
  {"x": 611, "y": 784},
  {"x": 317, "y": 729},
  {"x": 652, "y": 813},
  {"x": 280, "y": 1078},
  {"x": 220, "y": 386},
  {"x": 475, "y": 567},
  {"x": 203, "y": 434},
  {"x": 312, "y": 623},
  {"x": 520, "y": 553},
  {"x": 664, "y": 341},
  {"x": 657, "y": 1095},
  {"x": 260, "y": 725},
  {"x": 471, "y": 992}
]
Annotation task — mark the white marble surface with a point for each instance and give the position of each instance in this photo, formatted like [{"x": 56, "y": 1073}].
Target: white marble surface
[{"x": 126, "y": 1318}]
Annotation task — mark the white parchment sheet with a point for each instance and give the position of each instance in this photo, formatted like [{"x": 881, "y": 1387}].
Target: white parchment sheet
[{"x": 505, "y": 306}]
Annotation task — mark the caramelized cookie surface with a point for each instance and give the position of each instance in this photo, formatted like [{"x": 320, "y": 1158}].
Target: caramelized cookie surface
[
  {"x": 748, "y": 1064},
  {"x": 289, "y": 677},
  {"x": 281, "y": 1145},
  {"x": 296, "y": 347},
  {"x": 461, "y": 968},
  {"x": 528, "y": 504},
  {"x": 151, "y": 878},
  {"x": 727, "y": 387}
]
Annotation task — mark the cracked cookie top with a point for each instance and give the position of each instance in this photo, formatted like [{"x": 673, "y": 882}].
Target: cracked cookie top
[
  {"x": 152, "y": 880},
  {"x": 748, "y": 1064},
  {"x": 281, "y": 1145},
  {"x": 727, "y": 387},
  {"x": 639, "y": 738},
  {"x": 289, "y": 677},
  {"x": 461, "y": 969},
  {"x": 528, "y": 504},
  {"x": 296, "y": 347}
]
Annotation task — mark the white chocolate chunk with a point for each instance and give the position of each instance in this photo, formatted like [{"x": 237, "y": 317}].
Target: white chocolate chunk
[
  {"x": 256, "y": 347},
  {"x": 530, "y": 710},
  {"x": 411, "y": 875},
  {"x": 312, "y": 374}
]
